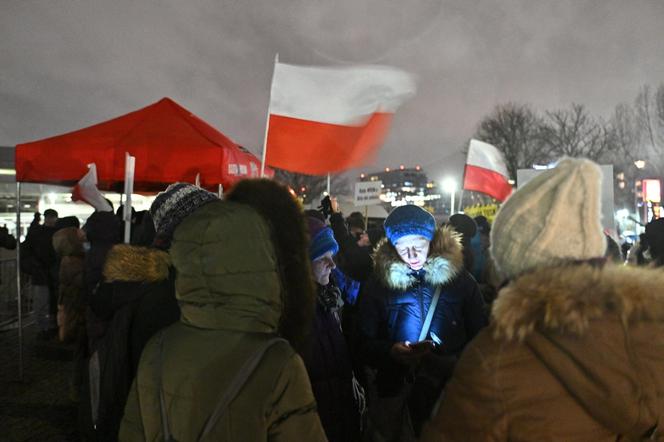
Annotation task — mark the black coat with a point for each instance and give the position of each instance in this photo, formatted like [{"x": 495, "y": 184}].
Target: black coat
[
  {"x": 331, "y": 374},
  {"x": 353, "y": 260},
  {"x": 136, "y": 299},
  {"x": 38, "y": 258}
]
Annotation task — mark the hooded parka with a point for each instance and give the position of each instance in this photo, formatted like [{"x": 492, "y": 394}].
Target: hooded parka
[
  {"x": 231, "y": 297},
  {"x": 395, "y": 305},
  {"x": 574, "y": 353}
]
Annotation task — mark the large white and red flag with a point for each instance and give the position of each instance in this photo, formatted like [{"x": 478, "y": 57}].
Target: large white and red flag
[
  {"x": 486, "y": 171},
  {"x": 324, "y": 120},
  {"x": 86, "y": 190}
]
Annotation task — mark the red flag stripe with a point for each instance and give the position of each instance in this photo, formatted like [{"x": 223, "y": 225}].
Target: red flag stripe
[
  {"x": 317, "y": 148},
  {"x": 486, "y": 181}
]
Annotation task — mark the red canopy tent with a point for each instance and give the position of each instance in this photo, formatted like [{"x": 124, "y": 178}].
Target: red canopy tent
[{"x": 169, "y": 142}]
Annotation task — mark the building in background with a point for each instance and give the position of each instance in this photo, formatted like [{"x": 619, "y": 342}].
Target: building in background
[{"x": 411, "y": 185}]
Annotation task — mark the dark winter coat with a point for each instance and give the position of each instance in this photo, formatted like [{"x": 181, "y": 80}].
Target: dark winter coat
[
  {"x": 574, "y": 353},
  {"x": 103, "y": 231},
  {"x": 6, "y": 240},
  {"x": 353, "y": 260},
  {"x": 232, "y": 300},
  {"x": 38, "y": 257},
  {"x": 137, "y": 299},
  {"x": 331, "y": 374},
  {"x": 394, "y": 306}
]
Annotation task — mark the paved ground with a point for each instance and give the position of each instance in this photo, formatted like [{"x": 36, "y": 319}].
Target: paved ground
[{"x": 39, "y": 408}]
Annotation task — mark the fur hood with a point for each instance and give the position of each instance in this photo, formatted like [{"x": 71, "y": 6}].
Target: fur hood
[
  {"x": 566, "y": 298},
  {"x": 127, "y": 263},
  {"x": 443, "y": 264}
]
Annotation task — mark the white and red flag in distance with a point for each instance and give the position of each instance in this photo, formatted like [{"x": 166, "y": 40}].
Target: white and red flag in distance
[
  {"x": 486, "y": 172},
  {"x": 329, "y": 119},
  {"x": 86, "y": 190}
]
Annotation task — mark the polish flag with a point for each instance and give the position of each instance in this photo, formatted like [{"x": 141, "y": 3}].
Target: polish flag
[
  {"x": 86, "y": 190},
  {"x": 486, "y": 171},
  {"x": 326, "y": 120}
]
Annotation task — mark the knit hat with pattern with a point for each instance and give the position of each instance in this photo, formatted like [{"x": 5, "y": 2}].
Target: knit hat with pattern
[
  {"x": 554, "y": 217},
  {"x": 174, "y": 204}
]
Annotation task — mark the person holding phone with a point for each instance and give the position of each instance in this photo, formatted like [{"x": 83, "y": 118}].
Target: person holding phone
[{"x": 417, "y": 314}]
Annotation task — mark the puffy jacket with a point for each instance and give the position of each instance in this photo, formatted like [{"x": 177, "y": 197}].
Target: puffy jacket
[
  {"x": 394, "y": 307},
  {"x": 574, "y": 353},
  {"x": 230, "y": 293}
]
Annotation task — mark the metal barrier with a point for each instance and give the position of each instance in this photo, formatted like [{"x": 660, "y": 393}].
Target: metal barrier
[{"x": 8, "y": 294}]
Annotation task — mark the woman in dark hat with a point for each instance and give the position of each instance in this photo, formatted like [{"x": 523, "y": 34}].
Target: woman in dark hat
[{"x": 416, "y": 317}]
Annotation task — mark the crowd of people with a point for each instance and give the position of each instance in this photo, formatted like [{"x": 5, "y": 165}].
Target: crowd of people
[{"x": 249, "y": 319}]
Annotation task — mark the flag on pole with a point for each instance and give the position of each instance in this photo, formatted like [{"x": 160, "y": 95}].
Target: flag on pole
[
  {"x": 486, "y": 171},
  {"x": 324, "y": 120},
  {"x": 86, "y": 190}
]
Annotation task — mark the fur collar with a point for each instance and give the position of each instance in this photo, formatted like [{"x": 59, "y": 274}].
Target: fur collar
[
  {"x": 444, "y": 262},
  {"x": 136, "y": 264},
  {"x": 566, "y": 298}
]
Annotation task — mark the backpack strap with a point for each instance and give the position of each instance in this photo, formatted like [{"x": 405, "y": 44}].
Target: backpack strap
[
  {"x": 165, "y": 428},
  {"x": 432, "y": 309},
  {"x": 236, "y": 385}
]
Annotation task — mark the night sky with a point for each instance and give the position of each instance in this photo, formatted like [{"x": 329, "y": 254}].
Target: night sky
[{"x": 67, "y": 64}]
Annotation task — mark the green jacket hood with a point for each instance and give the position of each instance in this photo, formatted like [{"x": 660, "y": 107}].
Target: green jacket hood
[{"x": 227, "y": 275}]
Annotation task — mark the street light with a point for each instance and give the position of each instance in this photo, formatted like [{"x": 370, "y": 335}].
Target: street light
[
  {"x": 640, "y": 164},
  {"x": 449, "y": 186}
]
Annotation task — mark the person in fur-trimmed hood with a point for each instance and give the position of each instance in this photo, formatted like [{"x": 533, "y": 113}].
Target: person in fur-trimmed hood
[
  {"x": 242, "y": 279},
  {"x": 414, "y": 263},
  {"x": 575, "y": 351}
]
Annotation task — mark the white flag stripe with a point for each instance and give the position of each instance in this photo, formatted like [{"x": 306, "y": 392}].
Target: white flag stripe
[
  {"x": 485, "y": 155},
  {"x": 88, "y": 190},
  {"x": 343, "y": 96}
]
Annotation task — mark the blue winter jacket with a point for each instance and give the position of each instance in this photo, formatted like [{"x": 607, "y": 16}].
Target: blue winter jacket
[{"x": 394, "y": 305}]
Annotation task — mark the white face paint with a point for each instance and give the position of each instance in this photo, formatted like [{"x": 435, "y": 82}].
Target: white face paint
[
  {"x": 322, "y": 268},
  {"x": 413, "y": 250}
]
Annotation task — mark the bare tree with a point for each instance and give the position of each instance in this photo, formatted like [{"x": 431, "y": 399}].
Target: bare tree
[
  {"x": 659, "y": 107},
  {"x": 626, "y": 134},
  {"x": 515, "y": 130},
  {"x": 310, "y": 187},
  {"x": 574, "y": 132},
  {"x": 645, "y": 114}
]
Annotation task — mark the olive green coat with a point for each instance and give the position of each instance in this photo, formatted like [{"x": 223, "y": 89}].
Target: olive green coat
[{"x": 230, "y": 293}]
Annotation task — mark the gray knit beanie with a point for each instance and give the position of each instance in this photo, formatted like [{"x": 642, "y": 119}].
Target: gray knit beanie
[
  {"x": 554, "y": 217},
  {"x": 174, "y": 204}
]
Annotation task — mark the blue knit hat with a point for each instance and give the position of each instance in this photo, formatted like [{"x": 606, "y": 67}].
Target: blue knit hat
[
  {"x": 409, "y": 220},
  {"x": 322, "y": 239}
]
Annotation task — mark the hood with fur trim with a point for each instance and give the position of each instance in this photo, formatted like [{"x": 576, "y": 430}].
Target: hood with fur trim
[
  {"x": 566, "y": 298},
  {"x": 598, "y": 329},
  {"x": 443, "y": 264},
  {"x": 128, "y": 263}
]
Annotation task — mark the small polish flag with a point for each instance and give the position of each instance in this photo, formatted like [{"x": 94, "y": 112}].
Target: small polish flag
[
  {"x": 326, "y": 120},
  {"x": 486, "y": 172},
  {"x": 86, "y": 190}
]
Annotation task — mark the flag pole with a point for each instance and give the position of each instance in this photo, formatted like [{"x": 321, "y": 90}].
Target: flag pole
[
  {"x": 18, "y": 281},
  {"x": 267, "y": 119},
  {"x": 130, "y": 165},
  {"x": 328, "y": 184}
]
